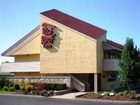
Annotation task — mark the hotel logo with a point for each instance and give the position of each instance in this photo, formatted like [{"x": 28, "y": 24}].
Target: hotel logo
[{"x": 48, "y": 35}]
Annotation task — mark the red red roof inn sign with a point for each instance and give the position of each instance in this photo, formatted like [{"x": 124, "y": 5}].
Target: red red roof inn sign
[{"x": 47, "y": 35}]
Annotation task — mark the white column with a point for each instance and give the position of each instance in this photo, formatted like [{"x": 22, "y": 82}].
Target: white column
[{"x": 95, "y": 82}]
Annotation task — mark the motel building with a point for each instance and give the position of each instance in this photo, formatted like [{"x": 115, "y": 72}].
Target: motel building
[{"x": 64, "y": 49}]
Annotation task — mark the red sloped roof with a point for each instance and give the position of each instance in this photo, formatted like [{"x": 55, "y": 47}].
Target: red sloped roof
[
  {"x": 114, "y": 44},
  {"x": 74, "y": 23}
]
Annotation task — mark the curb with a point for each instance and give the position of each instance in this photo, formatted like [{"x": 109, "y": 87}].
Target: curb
[
  {"x": 80, "y": 99},
  {"x": 20, "y": 95},
  {"x": 108, "y": 101}
]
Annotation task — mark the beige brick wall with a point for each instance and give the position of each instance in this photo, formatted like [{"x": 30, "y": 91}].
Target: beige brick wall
[
  {"x": 27, "y": 58},
  {"x": 72, "y": 52},
  {"x": 33, "y": 47}
]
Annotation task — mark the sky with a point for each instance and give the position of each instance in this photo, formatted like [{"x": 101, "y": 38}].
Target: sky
[{"x": 121, "y": 18}]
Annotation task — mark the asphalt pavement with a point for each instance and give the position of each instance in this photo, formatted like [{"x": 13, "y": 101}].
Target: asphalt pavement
[{"x": 24, "y": 100}]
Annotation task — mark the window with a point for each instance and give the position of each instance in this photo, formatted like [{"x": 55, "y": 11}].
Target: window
[
  {"x": 112, "y": 77},
  {"x": 111, "y": 55}
]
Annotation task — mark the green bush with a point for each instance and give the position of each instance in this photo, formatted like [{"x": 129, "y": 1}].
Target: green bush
[
  {"x": 0, "y": 88},
  {"x": 25, "y": 92},
  {"x": 60, "y": 86},
  {"x": 5, "y": 88},
  {"x": 17, "y": 86},
  {"x": 11, "y": 89},
  {"x": 4, "y": 82},
  {"x": 138, "y": 97},
  {"x": 98, "y": 95},
  {"x": 120, "y": 93},
  {"x": 22, "y": 88},
  {"x": 125, "y": 93},
  {"x": 11, "y": 85},
  {"x": 29, "y": 88},
  {"x": 20, "y": 83},
  {"x": 50, "y": 86},
  {"x": 132, "y": 94},
  {"x": 55, "y": 86},
  {"x": 28, "y": 83}
]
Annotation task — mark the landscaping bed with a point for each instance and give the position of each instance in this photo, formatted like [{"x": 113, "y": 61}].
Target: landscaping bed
[
  {"x": 44, "y": 89},
  {"x": 6, "y": 92},
  {"x": 120, "y": 96}
]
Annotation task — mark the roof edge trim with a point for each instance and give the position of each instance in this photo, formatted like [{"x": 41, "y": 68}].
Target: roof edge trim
[{"x": 19, "y": 41}]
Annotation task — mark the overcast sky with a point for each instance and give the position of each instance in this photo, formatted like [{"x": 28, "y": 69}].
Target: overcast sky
[{"x": 121, "y": 18}]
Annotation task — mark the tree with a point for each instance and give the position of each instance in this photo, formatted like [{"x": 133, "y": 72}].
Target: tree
[{"x": 128, "y": 61}]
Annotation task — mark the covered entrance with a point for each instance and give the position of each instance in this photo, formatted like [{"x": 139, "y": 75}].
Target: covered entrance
[
  {"x": 95, "y": 82},
  {"x": 91, "y": 82}
]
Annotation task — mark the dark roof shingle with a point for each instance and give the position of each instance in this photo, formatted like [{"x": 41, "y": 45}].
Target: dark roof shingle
[
  {"x": 74, "y": 23},
  {"x": 114, "y": 44}
]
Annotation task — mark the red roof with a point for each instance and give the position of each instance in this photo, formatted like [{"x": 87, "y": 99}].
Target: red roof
[
  {"x": 74, "y": 23},
  {"x": 114, "y": 44}
]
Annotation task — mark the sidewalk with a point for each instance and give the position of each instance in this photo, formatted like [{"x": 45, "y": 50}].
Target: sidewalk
[
  {"x": 71, "y": 95},
  {"x": 68, "y": 95}
]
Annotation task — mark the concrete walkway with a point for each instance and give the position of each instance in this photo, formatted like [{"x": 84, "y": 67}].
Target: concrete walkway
[{"x": 68, "y": 95}]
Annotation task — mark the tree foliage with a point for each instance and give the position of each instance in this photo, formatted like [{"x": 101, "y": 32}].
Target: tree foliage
[{"x": 128, "y": 62}]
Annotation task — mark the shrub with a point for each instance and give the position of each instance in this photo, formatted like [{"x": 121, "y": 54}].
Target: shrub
[
  {"x": 21, "y": 83},
  {"x": 7, "y": 82},
  {"x": 28, "y": 83},
  {"x": 24, "y": 92},
  {"x": 60, "y": 86},
  {"x": 17, "y": 87},
  {"x": 22, "y": 88},
  {"x": 120, "y": 93},
  {"x": 11, "y": 89},
  {"x": 4, "y": 82},
  {"x": 132, "y": 94},
  {"x": 55, "y": 86},
  {"x": 5, "y": 88},
  {"x": 11, "y": 85},
  {"x": 138, "y": 97},
  {"x": 39, "y": 86},
  {"x": 28, "y": 88},
  {"x": 0, "y": 88},
  {"x": 98, "y": 95},
  {"x": 125, "y": 93},
  {"x": 50, "y": 86}
]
